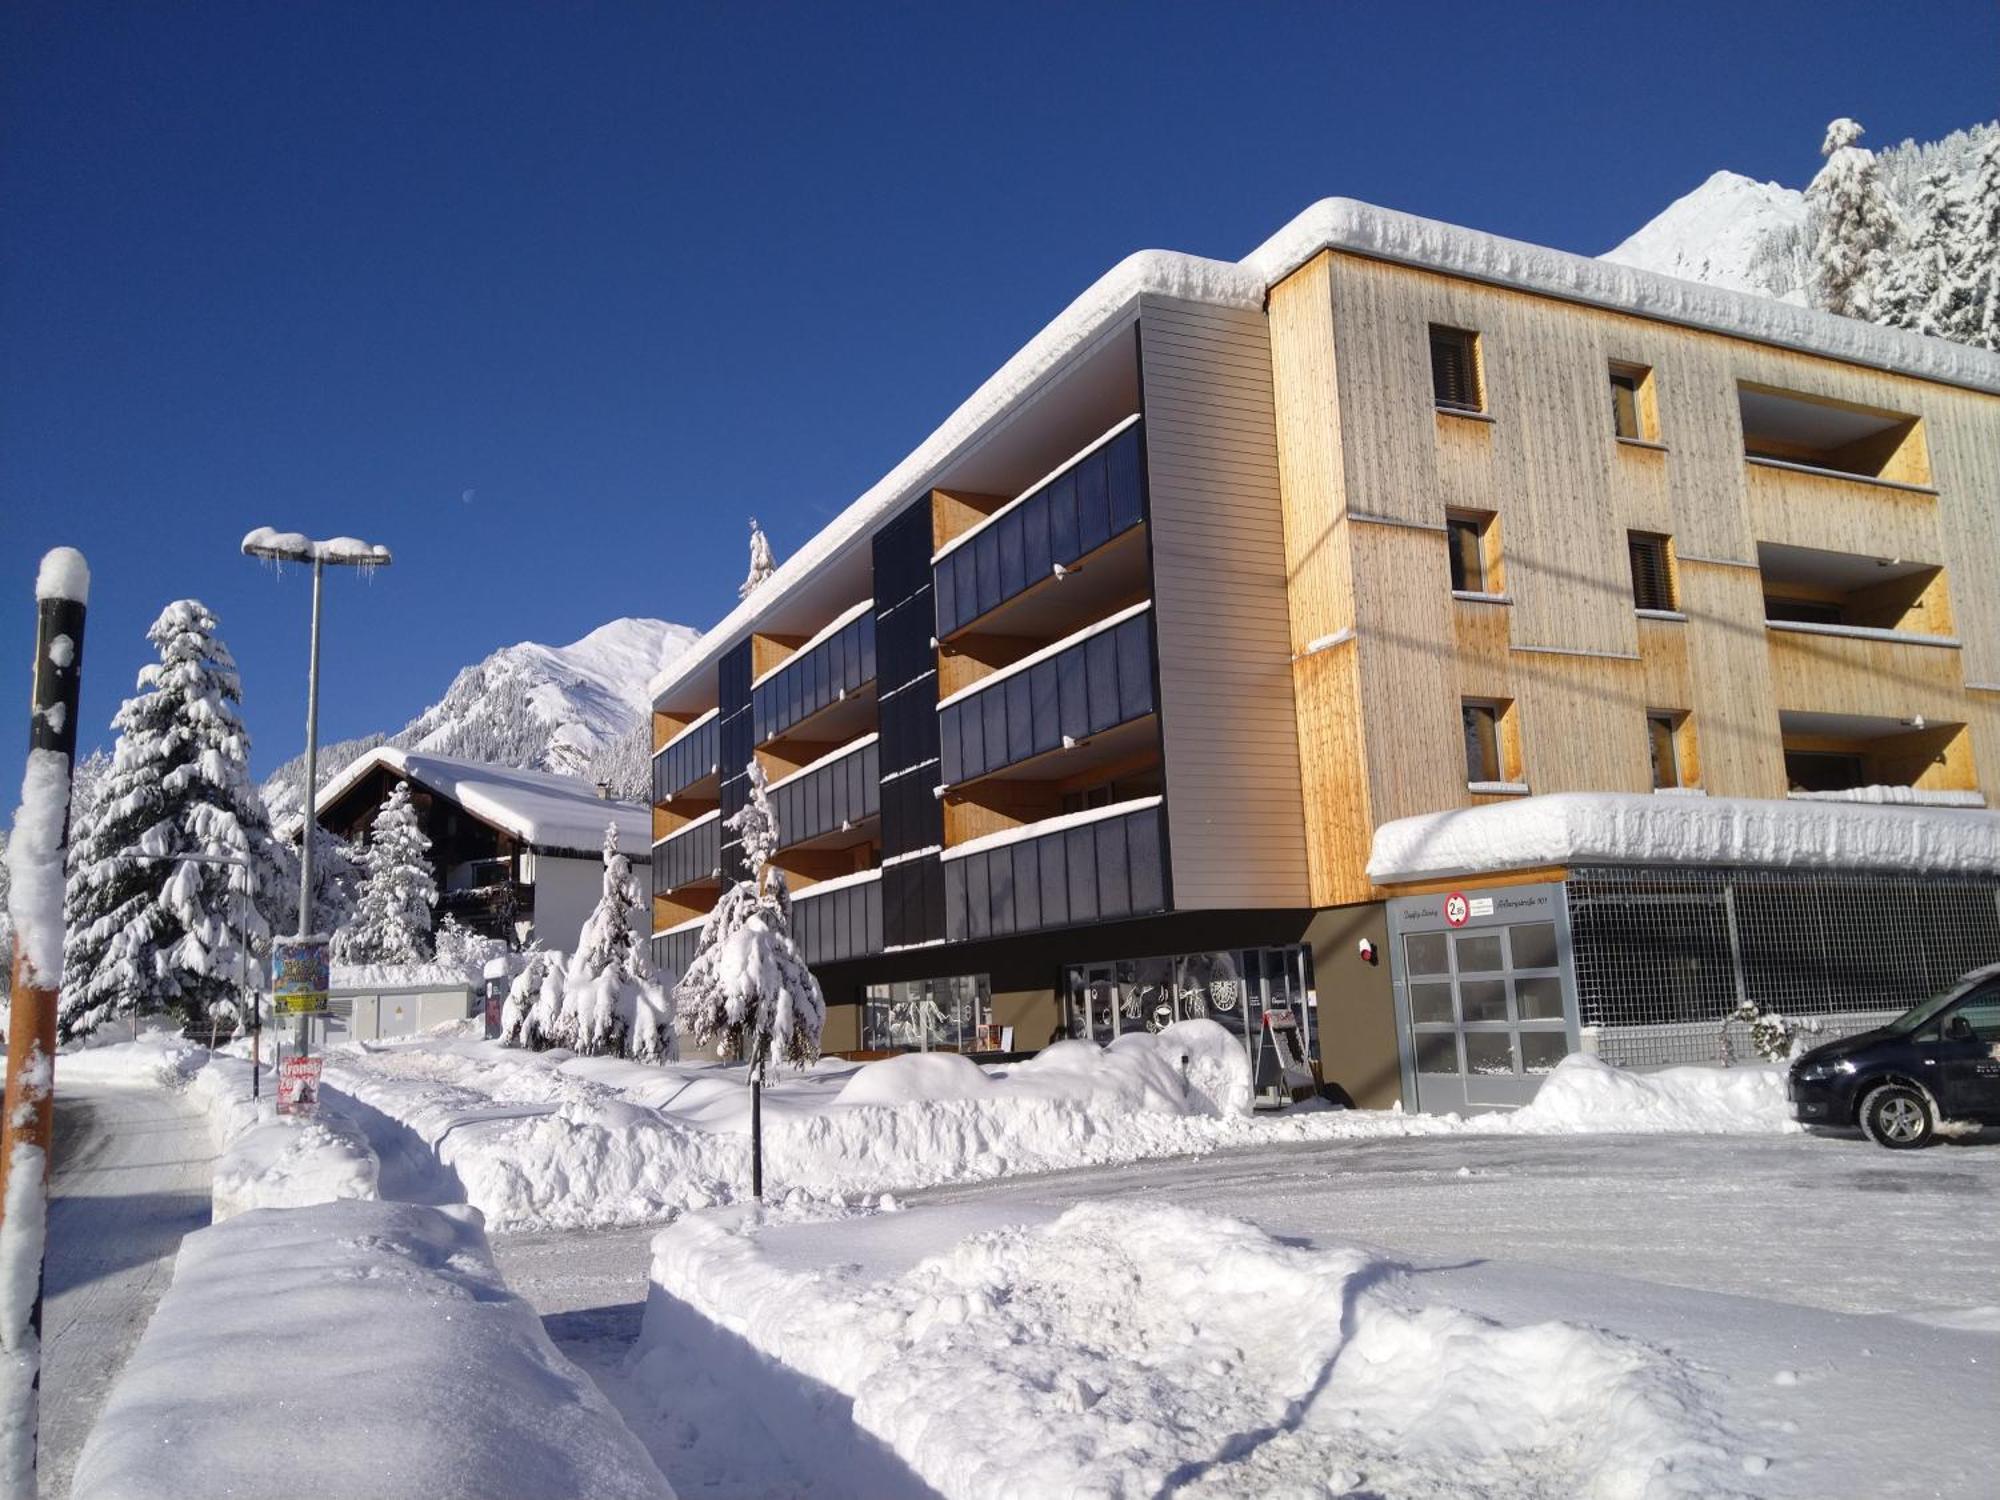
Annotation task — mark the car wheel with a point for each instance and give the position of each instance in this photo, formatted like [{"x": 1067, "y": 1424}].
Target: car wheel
[{"x": 1897, "y": 1116}]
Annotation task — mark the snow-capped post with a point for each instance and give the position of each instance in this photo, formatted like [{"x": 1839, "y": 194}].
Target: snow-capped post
[
  {"x": 342, "y": 551},
  {"x": 35, "y": 904},
  {"x": 747, "y": 989}
]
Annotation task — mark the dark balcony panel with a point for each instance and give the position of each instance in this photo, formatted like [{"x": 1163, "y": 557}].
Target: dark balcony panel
[
  {"x": 686, "y": 760},
  {"x": 1020, "y": 719},
  {"x": 1035, "y": 554},
  {"x": 1063, "y": 547},
  {"x": 1042, "y": 707},
  {"x": 816, "y": 678},
  {"x": 1007, "y": 538},
  {"x": 986, "y": 572},
  {"x": 1100, "y": 665},
  {"x": 839, "y": 924},
  {"x": 1109, "y": 868},
  {"x": 1126, "y": 472},
  {"x": 1135, "y": 669},
  {"x": 1093, "y": 505},
  {"x": 1072, "y": 696},
  {"x": 992, "y": 708},
  {"x": 845, "y": 790},
  {"x": 687, "y": 856}
]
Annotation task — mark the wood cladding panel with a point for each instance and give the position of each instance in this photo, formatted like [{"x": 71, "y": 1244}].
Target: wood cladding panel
[
  {"x": 1834, "y": 674},
  {"x": 1729, "y": 667},
  {"x": 1842, "y": 515},
  {"x": 1221, "y": 613}
]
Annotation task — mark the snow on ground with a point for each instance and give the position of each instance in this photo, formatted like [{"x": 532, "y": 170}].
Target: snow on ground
[
  {"x": 551, "y": 1140},
  {"x": 1131, "y": 1350},
  {"x": 381, "y": 1356}
]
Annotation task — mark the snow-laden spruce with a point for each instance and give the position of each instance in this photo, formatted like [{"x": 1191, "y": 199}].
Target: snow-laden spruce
[
  {"x": 616, "y": 999},
  {"x": 1856, "y": 227},
  {"x": 762, "y": 564},
  {"x": 174, "y": 872},
  {"x": 1977, "y": 265},
  {"x": 747, "y": 990},
  {"x": 392, "y": 910}
]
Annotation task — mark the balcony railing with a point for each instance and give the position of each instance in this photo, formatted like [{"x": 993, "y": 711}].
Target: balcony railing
[
  {"x": 1098, "y": 495},
  {"x": 688, "y": 855},
  {"x": 833, "y": 793},
  {"x": 685, "y": 759},
  {"x": 1095, "y": 680},
  {"x": 1096, "y": 866},
  {"x": 840, "y": 918},
  {"x": 818, "y": 675}
]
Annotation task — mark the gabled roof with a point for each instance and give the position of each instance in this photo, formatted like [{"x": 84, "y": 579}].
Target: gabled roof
[
  {"x": 547, "y": 811},
  {"x": 1359, "y": 229}
]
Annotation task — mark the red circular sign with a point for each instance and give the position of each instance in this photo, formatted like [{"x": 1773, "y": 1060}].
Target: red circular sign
[{"x": 1457, "y": 910}]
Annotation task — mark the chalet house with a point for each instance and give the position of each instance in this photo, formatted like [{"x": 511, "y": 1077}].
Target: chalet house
[
  {"x": 516, "y": 853},
  {"x": 1461, "y": 651}
]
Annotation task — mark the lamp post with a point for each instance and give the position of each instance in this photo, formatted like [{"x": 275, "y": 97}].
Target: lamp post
[{"x": 339, "y": 551}]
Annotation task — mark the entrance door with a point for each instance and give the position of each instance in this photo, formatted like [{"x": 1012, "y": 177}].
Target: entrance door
[{"x": 1485, "y": 1014}]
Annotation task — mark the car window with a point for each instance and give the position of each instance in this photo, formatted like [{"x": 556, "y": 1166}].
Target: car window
[{"x": 1983, "y": 1011}]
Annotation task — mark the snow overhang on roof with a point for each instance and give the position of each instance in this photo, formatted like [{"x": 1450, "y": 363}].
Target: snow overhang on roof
[
  {"x": 551, "y": 813},
  {"x": 1360, "y": 229},
  {"x": 1626, "y": 828}
]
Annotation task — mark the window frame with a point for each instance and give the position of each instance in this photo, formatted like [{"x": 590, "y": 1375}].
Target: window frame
[
  {"x": 1506, "y": 758},
  {"x": 1484, "y": 527},
  {"x": 1635, "y": 542},
  {"x": 1628, "y": 375},
  {"x": 1678, "y": 724},
  {"x": 1472, "y": 357}
]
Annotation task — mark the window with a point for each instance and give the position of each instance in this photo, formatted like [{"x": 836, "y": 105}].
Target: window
[
  {"x": 1803, "y": 611},
  {"x": 1663, "y": 733},
  {"x": 1652, "y": 570},
  {"x": 1823, "y": 771},
  {"x": 1492, "y": 750},
  {"x": 1474, "y": 550},
  {"x": 1632, "y": 411},
  {"x": 1455, "y": 379}
]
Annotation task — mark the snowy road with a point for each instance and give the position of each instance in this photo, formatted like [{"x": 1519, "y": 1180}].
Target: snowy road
[{"x": 132, "y": 1171}]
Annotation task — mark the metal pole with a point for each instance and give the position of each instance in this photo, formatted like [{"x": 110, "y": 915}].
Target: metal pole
[
  {"x": 27, "y": 1125},
  {"x": 312, "y": 792}
]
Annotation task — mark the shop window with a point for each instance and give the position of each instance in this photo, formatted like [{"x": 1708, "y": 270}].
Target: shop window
[
  {"x": 1455, "y": 374},
  {"x": 952, "y": 1014},
  {"x": 1652, "y": 570}
]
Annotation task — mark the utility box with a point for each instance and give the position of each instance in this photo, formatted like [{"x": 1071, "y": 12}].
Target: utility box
[{"x": 404, "y": 1010}]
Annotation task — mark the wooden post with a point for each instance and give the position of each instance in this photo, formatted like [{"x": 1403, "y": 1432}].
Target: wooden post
[{"x": 61, "y": 591}]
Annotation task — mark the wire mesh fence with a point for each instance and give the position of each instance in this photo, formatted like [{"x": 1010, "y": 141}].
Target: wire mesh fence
[{"x": 1665, "y": 958}]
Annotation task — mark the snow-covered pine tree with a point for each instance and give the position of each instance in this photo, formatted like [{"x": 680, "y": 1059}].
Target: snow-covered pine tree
[
  {"x": 151, "y": 915},
  {"x": 615, "y": 999},
  {"x": 1920, "y": 289},
  {"x": 747, "y": 990},
  {"x": 1976, "y": 266},
  {"x": 762, "y": 565},
  {"x": 1855, "y": 229},
  {"x": 392, "y": 910},
  {"x": 522, "y": 993}
]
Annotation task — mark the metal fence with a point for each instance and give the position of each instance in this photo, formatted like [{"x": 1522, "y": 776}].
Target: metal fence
[{"x": 1664, "y": 957}]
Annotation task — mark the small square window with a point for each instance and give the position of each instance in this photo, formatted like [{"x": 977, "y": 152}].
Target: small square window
[
  {"x": 1491, "y": 751},
  {"x": 1470, "y": 537},
  {"x": 1652, "y": 570},
  {"x": 1663, "y": 734},
  {"x": 1632, "y": 410},
  {"x": 1455, "y": 381}
]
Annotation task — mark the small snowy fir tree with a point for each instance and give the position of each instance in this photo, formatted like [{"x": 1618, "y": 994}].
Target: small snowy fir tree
[
  {"x": 761, "y": 564},
  {"x": 522, "y": 992},
  {"x": 392, "y": 910},
  {"x": 615, "y": 999},
  {"x": 153, "y": 916},
  {"x": 1976, "y": 266},
  {"x": 1855, "y": 228},
  {"x": 747, "y": 989},
  {"x": 1921, "y": 289}
]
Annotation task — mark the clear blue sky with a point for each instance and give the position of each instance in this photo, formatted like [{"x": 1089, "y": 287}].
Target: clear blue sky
[{"x": 550, "y": 297}]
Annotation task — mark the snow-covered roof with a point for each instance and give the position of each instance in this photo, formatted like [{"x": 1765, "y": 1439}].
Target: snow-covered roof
[
  {"x": 546, "y": 810},
  {"x": 1570, "y": 828},
  {"x": 1360, "y": 229}
]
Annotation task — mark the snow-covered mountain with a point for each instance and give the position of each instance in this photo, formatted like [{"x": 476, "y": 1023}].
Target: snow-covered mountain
[
  {"x": 1722, "y": 234},
  {"x": 579, "y": 709}
]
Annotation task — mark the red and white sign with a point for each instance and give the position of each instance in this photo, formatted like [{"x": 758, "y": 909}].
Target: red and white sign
[
  {"x": 298, "y": 1085},
  {"x": 1457, "y": 910}
]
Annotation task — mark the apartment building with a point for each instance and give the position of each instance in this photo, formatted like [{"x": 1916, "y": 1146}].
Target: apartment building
[{"x": 1233, "y": 652}]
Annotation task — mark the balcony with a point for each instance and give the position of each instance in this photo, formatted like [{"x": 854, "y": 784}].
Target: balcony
[
  {"x": 686, "y": 765},
  {"x": 1833, "y": 439},
  {"x": 824, "y": 691},
  {"x": 839, "y": 919},
  {"x": 1071, "y": 698},
  {"x": 1097, "y": 866},
  {"x": 1835, "y": 754},
  {"x": 691, "y": 855},
  {"x": 1050, "y": 541}
]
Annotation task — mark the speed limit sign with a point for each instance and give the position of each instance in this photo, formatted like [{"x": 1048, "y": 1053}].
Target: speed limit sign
[{"x": 1457, "y": 910}]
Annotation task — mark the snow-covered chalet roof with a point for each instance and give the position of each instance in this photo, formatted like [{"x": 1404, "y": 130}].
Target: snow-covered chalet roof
[
  {"x": 1360, "y": 229},
  {"x": 545, "y": 810},
  {"x": 1572, "y": 828}
]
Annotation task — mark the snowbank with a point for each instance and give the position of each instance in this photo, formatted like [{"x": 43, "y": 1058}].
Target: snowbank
[
  {"x": 381, "y": 1355},
  {"x": 1586, "y": 1096},
  {"x": 1566, "y": 828},
  {"x": 1148, "y": 1349},
  {"x": 292, "y": 1161}
]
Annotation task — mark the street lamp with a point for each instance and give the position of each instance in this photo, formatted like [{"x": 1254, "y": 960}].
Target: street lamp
[{"x": 339, "y": 551}]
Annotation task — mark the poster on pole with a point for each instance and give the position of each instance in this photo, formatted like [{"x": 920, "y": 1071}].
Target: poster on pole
[
  {"x": 301, "y": 974},
  {"x": 298, "y": 1085}
]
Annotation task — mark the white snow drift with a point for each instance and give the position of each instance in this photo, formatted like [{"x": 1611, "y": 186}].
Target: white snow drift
[
  {"x": 1148, "y": 1350},
  {"x": 381, "y": 1355}
]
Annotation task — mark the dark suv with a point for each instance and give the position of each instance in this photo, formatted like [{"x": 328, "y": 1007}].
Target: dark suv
[{"x": 1937, "y": 1063}]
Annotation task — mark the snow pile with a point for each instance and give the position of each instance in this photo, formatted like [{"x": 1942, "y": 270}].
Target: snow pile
[
  {"x": 1586, "y": 1096},
  {"x": 291, "y": 1161},
  {"x": 63, "y": 574},
  {"x": 365, "y": 1314},
  {"x": 1568, "y": 828},
  {"x": 1153, "y": 1350}
]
